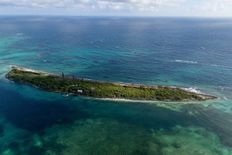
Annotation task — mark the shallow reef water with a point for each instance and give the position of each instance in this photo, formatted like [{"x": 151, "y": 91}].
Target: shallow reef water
[{"x": 191, "y": 53}]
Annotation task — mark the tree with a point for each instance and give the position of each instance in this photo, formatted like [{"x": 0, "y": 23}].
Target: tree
[{"x": 62, "y": 75}]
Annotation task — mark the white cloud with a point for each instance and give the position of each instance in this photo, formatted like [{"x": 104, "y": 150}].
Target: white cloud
[
  {"x": 216, "y": 5},
  {"x": 112, "y": 4},
  {"x": 167, "y": 7}
]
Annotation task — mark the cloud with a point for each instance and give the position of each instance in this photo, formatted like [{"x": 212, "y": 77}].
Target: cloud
[
  {"x": 33, "y": 3},
  {"x": 167, "y": 7},
  {"x": 150, "y": 5},
  {"x": 216, "y": 5}
]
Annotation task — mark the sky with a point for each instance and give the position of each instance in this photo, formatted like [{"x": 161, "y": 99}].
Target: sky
[{"x": 186, "y": 8}]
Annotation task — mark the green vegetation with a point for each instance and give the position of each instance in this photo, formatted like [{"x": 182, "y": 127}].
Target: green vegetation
[{"x": 97, "y": 89}]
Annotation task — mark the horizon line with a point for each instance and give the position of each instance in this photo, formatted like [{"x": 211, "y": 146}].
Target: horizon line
[{"x": 116, "y": 16}]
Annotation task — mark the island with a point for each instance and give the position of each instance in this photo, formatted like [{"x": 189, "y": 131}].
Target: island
[{"x": 101, "y": 89}]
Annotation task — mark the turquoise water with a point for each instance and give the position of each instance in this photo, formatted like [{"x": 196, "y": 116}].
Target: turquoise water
[{"x": 192, "y": 53}]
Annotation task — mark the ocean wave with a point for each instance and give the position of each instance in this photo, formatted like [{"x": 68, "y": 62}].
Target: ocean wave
[
  {"x": 221, "y": 66},
  {"x": 186, "y": 61},
  {"x": 194, "y": 90},
  {"x": 196, "y": 62}
]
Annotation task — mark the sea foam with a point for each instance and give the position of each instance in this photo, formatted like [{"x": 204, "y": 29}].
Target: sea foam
[
  {"x": 194, "y": 90},
  {"x": 186, "y": 61}
]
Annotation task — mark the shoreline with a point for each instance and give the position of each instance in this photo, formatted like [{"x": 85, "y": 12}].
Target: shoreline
[
  {"x": 146, "y": 101},
  {"x": 30, "y": 70},
  {"x": 115, "y": 91},
  {"x": 188, "y": 89}
]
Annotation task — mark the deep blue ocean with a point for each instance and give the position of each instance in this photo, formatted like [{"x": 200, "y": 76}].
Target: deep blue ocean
[{"x": 186, "y": 52}]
